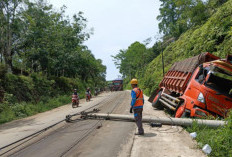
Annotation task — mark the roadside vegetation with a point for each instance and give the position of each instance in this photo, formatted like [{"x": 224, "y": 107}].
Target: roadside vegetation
[
  {"x": 220, "y": 139},
  {"x": 43, "y": 58},
  {"x": 12, "y": 111},
  {"x": 189, "y": 28}
]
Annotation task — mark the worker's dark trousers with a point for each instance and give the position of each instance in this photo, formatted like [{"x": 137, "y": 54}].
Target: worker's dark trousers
[{"x": 138, "y": 119}]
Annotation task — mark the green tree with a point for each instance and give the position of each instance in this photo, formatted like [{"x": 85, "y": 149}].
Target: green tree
[
  {"x": 177, "y": 16},
  {"x": 168, "y": 17},
  {"x": 133, "y": 60},
  {"x": 212, "y": 5},
  {"x": 37, "y": 39},
  {"x": 53, "y": 44},
  {"x": 9, "y": 28}
]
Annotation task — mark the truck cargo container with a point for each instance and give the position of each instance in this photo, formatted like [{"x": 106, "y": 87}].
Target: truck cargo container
[{"x": 196, "y": 87}]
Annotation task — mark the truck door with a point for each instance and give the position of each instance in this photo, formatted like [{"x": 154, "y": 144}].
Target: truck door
[
  {"x": 216, "y": 103},
  {"x": 219, "y": 96}
]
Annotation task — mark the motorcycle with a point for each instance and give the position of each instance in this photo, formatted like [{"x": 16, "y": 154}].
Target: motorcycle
[{"x": 75, "y": 101}]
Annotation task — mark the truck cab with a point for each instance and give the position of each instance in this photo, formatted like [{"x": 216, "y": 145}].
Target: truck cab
[{"x": 209, "y": 91}]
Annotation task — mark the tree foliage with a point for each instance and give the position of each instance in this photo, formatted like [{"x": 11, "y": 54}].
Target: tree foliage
[
  {"x": 43, "y": 52},
  {"x": 35, "y": 38},
  {"x": 10, "y": 24},
  {"x": 133, "y": 60},
  {"x": 177, "y": 16}
]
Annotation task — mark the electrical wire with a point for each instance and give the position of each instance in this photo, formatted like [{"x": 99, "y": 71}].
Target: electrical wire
[{"x": 42, "y": 130}]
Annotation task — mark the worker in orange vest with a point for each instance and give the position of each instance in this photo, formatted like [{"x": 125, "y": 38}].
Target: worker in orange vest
[{"x": 137, "y": 105}]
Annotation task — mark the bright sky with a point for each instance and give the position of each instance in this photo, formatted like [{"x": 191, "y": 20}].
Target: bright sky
[{"x": 117, "y": 24}]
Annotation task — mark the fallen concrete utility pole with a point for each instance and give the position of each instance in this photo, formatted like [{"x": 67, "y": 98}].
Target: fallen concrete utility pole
[{"x": 162, "y": 120}]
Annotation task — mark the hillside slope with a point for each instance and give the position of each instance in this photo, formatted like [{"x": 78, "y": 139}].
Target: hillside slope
[{"x": 215, "y": 36}]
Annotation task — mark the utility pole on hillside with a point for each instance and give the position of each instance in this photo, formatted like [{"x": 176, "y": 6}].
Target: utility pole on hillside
[
  {"x": 162, "y": 53},
  {"x": 162, "y": 58}
]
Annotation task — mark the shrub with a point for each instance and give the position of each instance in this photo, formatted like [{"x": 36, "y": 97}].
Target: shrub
[
  {"x": 42, "y": 86},
  {"x": 63, "y": 84},
  {"x": 9, "y": 99},
  {"x": 20, "y": 86},
  {"x": 24, "y": 109}
]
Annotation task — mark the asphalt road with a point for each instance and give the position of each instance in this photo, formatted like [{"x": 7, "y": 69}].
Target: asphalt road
[{"x": 87, "y": 137}]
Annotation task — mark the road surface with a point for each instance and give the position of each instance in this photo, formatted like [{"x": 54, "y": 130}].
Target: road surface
[{"x": 93, "y": 138}]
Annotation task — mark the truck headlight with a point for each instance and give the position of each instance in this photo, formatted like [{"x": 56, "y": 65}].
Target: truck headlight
[{"x": 201, "y": 98}]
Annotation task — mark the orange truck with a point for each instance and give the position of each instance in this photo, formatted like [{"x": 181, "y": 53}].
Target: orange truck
[{"x": 196, "y": 87}]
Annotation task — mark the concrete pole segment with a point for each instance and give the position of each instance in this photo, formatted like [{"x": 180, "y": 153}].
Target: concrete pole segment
[{"x": 163, "y": 120}]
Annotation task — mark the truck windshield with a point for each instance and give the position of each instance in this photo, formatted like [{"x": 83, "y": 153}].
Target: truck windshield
[
  {"x": 116, "y": 83},
  {"x": 221, "y": 81}
]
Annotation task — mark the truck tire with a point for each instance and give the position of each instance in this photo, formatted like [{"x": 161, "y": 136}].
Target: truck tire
[
  {"x": 156, "y": 103},
  {"x": 180, "y": 112}
]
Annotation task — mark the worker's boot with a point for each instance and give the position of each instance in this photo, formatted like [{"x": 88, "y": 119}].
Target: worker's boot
[{"x": 137, "y": 133}]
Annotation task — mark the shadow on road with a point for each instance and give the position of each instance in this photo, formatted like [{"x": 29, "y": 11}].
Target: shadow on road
[
  {"x": 149, "y": 135},
  {"x": 17, "y": 123}
]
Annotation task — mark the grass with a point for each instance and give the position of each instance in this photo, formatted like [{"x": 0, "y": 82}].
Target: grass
[
  {"x": 21, "y": 110},
  {"x": 220, "y": 139}
]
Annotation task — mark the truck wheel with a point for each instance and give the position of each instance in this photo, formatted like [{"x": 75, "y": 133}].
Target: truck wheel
[
  {"x": 156, "y": 103},
  {"x": 180, "y": 112}
]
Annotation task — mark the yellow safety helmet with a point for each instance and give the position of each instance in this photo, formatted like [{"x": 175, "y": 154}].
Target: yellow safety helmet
[{"x": 134, "y": 81}]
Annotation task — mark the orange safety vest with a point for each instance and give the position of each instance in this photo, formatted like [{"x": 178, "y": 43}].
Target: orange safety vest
[{"x": 139, "y": 97}]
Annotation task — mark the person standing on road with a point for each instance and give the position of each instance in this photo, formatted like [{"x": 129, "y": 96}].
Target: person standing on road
[{"x": 137, "y": 103}]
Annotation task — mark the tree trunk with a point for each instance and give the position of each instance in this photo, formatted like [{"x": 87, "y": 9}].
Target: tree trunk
[
  {"x": 9, "y": 17},
  {"x": 1, "y": 55},
  {"x": 1, "y": 44},
  {"x": 8, "y": 62},
  {"x": 8, "y": 49}
]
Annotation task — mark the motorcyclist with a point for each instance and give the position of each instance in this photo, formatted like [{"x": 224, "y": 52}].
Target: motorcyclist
[
  {"x": 75, "y": 98},
  {"x": 75, "y": 92},
  {"x": 88, "y": 94}
]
